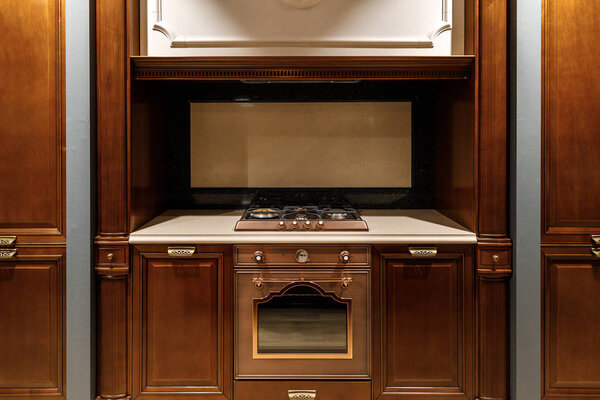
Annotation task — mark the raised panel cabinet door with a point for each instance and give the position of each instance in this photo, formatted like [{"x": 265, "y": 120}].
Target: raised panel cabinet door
[
  {"x": 571, "y": 118},
  {"x": 32, "y": 126},
  {"x": 32, "y": 325},
  {"x": 179, "y": 325},
  {"x": 426, "y": 326},
  {"x": 571, "y": 323}
]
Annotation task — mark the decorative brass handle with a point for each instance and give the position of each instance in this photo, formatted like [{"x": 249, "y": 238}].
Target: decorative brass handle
[
  {"x": 259, "y": 282},
  {"x": 6, "y": 254},
  {"x": 423, "y": 251},
  {"x": 596, "y": 240},
  {"x": 7, "y": 241},
  {"x": 181, "y": 251},
  {"x": 596, "y": 251},
  {"x": 302, "y": 394}
]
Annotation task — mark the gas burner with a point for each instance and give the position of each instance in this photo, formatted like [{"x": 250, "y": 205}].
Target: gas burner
[
  {"x": 301, "y": 218},
  {"x": 264, "y": 213},
  {"x": 337, "y": 215}
]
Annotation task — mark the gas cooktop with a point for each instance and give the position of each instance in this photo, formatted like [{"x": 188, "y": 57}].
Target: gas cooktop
[{"x": 301, "y": 218}]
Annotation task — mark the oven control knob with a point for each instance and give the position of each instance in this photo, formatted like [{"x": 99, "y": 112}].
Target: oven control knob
[
  {"x": 320, "y": 224},
  {"x": 345, "y": 256},
  {"x": 302, "y": 256},
  {"x": 307, "y": 224},
  {"x": 281, "y": 225},
  {"x": 295, "y": 224},
  {"x": 258, "y": 256}
]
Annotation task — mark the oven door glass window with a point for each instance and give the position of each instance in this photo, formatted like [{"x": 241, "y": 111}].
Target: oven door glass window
[{"x": 302, "y": 322}]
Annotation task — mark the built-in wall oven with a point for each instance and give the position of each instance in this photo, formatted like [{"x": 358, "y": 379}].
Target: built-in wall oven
[{"x": 302, "y": 312}]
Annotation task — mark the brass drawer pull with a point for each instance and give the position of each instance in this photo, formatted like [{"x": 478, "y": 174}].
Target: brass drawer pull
[
  {"x": 7, "y": 241},
  {"x": 423, "y": 251},
  {"x": 596, "y": 251},
  {"x": 181, "y": 251},
  {"x": 302, "y": 394},
  {"x": 596, "y": 240},
  {"x": 7, "y": 254},
  {"x": 259, "y": 282}
]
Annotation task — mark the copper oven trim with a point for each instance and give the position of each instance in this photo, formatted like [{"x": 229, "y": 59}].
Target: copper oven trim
[{"x": 302, "y": 356}]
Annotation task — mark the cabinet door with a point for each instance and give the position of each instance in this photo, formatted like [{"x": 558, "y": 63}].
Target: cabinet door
[
  {"x": 32, "y": 324},
  {"x": 571, "y": 119},
  {"x": 572, "y": 323},
  {"x": 181, "y": 325},
  {"x": 426, "y": 326},
  {"x": 31, "y": 127}
]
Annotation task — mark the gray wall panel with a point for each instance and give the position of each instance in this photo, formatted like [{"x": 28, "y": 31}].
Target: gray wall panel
[
  {"x": 80, "y": 381},
  {"x": 525, "y": 198}
]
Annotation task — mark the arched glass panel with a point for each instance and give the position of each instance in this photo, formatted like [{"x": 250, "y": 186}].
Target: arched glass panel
[{"x": 302, "y": 320}]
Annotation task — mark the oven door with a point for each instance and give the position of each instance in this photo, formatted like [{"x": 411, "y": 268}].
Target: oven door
[{"x": 302, "y": 324}]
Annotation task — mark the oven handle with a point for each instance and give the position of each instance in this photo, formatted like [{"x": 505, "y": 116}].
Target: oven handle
[{"x": 259, "y": 282}]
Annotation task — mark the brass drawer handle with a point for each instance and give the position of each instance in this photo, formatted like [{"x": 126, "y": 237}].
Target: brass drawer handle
[
  {"x": 596, "y": 251},
  {"x": 7, "y": 254},
  {"x": 423, "y": 251},
  {"x": 596, "y": 240},
  {"x": 181, "y": 251},
  {"x": 302, "y": 394},
  {"x": 7, "y": 241}
]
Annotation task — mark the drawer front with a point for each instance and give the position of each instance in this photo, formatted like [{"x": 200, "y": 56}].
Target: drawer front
[
  {"x": 495, "y": 258},
  {"x": 302, "y": 390},
  {"x": 112, "y": 256},
  {"x": 286, "y": 255}
]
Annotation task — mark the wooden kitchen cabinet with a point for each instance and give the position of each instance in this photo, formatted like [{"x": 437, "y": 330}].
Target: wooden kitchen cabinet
[
  {"x": 424, "y": 323},
  {"x": 32, "y": 324},
  {"x": 32, "y": 200},
  {"x": 32, "y": 128},
  {"x": 181, "y": 313},
  {"x": 571, "y": 162},
  {"x": 571, "y": 277},
  {"x": 570, "y": 211}
]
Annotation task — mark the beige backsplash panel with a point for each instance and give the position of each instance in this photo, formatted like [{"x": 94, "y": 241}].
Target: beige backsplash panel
[{"x": 275, "y": 145}]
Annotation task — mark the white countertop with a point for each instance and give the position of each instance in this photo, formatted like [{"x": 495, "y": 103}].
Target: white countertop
[{"x": 385, "y": 226}]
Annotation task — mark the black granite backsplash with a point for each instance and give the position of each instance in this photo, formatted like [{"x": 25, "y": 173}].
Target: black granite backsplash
[{"x": 181, "y": 94}]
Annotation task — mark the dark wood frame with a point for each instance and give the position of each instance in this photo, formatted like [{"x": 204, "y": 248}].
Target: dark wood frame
[{"x": 484, "y": 209}]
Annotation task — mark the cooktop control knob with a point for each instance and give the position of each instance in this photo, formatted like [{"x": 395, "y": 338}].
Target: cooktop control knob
[
  {"x": 320, "y": 224},
  {"x": 281, "y": 225},
  {"x": 294, "y": 224},
  {"x": 307, "y": 224},
  {"x": 345, "y": 256},
  {"x": 258, "y": 256}
]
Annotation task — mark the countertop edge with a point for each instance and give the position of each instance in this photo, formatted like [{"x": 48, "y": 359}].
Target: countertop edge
[{"x": 243, "y": 239}]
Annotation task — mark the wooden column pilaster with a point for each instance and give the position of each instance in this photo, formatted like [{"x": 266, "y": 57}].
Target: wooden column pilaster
[
  {"x": 494, "y": 255},
  {"x": 112, "y": 260}
]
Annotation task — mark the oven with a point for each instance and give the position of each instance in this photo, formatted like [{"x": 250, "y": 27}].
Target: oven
[{"x": 302, "y": 312}]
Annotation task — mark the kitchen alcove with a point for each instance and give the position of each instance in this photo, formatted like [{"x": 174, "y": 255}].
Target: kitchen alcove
[{"x": 439, "y": 125}]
